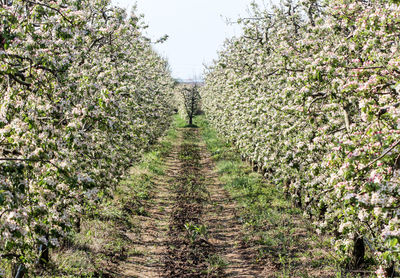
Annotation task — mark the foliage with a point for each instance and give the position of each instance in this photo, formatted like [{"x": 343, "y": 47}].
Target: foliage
[
  {"x": 310, "y": 92},
  {"x": 82, "y": 94}
]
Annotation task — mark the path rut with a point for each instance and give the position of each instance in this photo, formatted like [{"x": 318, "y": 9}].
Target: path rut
[{"x": 162, "y": 246}]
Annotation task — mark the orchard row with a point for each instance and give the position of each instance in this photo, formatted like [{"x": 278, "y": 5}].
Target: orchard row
[
  {"x": 310, "y": 94},
  {"x": 82, "y": 94}
]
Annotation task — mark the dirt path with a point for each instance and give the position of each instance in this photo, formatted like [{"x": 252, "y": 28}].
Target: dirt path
[
  {"x": 191, "y": 229},
  {"x": 150, "y": 240},
  {"x": 225, "y": 229}
]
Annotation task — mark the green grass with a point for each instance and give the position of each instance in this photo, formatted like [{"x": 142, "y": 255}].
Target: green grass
[
  {"x": 178, "y": 122},
  {"x": 216, "y": 263}
]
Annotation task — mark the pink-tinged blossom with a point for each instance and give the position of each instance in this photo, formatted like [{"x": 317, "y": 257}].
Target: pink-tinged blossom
[{"x": 381, "y": 273}]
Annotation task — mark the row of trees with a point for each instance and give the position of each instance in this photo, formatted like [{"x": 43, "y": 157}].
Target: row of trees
[
  {"x": 310, "y": 94},
  {"x": 82, "y": 94}
]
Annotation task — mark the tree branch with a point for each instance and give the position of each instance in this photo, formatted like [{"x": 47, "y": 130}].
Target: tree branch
[{"x": 381, "y": 156}]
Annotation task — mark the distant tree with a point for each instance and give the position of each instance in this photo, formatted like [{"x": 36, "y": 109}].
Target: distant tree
[{"x": 190, "y": 101}]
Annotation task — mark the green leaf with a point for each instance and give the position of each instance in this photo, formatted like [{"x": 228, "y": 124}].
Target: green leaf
[{"x": 393, "y": 242}]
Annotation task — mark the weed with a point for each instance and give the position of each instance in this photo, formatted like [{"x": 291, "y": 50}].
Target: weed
[
  {"x": 216, "y": 263},
  {"x": 196, "y": 232}
]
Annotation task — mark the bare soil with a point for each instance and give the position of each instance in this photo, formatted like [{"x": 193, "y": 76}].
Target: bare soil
[
  {"x": 226, "y": 230},
  {"x": 192, "y": 229},
  {"x": 151, "y": 238}
]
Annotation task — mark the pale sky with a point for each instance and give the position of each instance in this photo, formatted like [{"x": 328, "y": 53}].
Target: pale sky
[{"x": 196, "y": 29}]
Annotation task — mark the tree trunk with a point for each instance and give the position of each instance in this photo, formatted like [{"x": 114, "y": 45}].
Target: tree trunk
[
  {"x": 298, "y": 202},
  {"x": 390, "y": 271},
  {"x": 2, "y": 42},
  {"x": 322, "y": 212},
  {"x": 255, "y": 166},
  {"x": 78, "y": 224},
  {"x": 18, "y": 271},
  {"x": 287, "y": 189},
  {"x": 358, "y": 251},
  {"x": 43, "y": 255}
]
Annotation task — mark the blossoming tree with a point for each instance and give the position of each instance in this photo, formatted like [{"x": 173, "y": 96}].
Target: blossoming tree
[
  {"x": 82, "y": 94},
  {"x": 310, "y": 94}
]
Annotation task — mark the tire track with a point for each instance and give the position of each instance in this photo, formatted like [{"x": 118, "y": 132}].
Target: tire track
[{"x": 189, "y": 249}]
